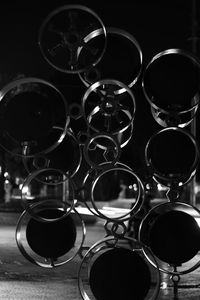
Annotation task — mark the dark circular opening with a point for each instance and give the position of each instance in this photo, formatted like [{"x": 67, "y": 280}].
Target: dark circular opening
[
  {"x": 119, "y": 274},
  {"x": 51, "y": 240},
  {"x": 174, "y": 237},
  {"x": 28, "y": 116},
  {"x": 172, "y": 153},
  {"x": 172, "y": 80}
]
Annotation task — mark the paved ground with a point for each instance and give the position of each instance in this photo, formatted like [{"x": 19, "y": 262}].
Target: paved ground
[{"x": 20, "y": 279}]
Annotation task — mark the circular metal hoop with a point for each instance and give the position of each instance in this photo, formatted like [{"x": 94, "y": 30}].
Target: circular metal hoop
[
  {"x": 120, "y": 45},
  {"x": 101, "y": 145},
  {"x": 68, "y": 38},
  {"x": 33, "y": 246},
  {"x": 115, "y": 184},
  {"x": 165, "y": 229},
  {"x": 172, "y": 155},
  {"x": 90, "y": 176},
  {"x": 31, "y": 110},
  {"x": 107, "y": 263},
  {"x": 163, "y": 81},
  {"x": 106, "y": 111},
  {"x": 49, "y": 189}
]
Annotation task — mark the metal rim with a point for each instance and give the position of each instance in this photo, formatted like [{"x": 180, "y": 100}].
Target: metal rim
[
  {"x": 36, "y": 262},
  {"x": 175, "y": 51},
  {"x": 33, "y": 80},
  {"x": 145, "y": 219},
  {"x": 92, "y": 139},
  {"x": 138, "y": 201},
  {"x": 173, "y": 180},
  {"x": 92, "y": 34},
  {"x": 90, "y": 177},
  {"x": 97, "y": 247},
  {"x": 68, "y": 205},
  {"x": 128, "y": 36},
  {"x": 95, "y": 86}
]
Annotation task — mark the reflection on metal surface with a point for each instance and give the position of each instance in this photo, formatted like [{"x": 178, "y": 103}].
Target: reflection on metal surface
[
  {"x": 105, "y": 110},
  {"x": 100, "y": 148},
  {"x": 110, "y": 184},
  {"x": 123, "y": 55},
  {"x": 171, "y": 86},
  {"x": 50, "y": 187}
]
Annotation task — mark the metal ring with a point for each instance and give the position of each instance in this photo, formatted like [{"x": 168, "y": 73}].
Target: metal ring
[
  {"x": 123, "y": 137},
  {"x": 166, "y": 153},
  {"x": 109, "y": 62},
  {"x": 177, "y": 225},
  {"x": 30, "y": 255},
  {"x": 90, "y": 176},
  {"x": 163, "y": 81},
  {"x": 63, "y": 45},
  {"x": 173, "y": 118},
  {"x": 102, "y": 259},
  {"x": 112, "y": 113},
  {"x": 107, "y": 144},
  {"x": 30, "y": 109},
  {"x": 54, "y": 179},
  {"x": 125, "y": 214}
]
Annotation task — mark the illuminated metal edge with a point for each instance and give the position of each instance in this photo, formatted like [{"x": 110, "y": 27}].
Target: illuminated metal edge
[
  {"x": 183, "y": 179},
  {"x": 30, "y": 258},
  {"x": 93, "y": 34},
  {"x": 29, "y": 80},
  {"x": 96, "y": 172},
  {"x": 92, "y": 139},
  {"x": 117, "y": 134},
  {"x": 30, "y": 208},
  {"x": 120, "y": 32},
  {"x": 128, "y": 132},
  {"x": 193, "y": 111},
  {"x": 157, "y": 56},
  {"x": 95, "y": 86},
  {"x": 138, "y": 202},
  {"x": 123, "y": 136},
  {"x": 91, "y": 252},
  {"x": 190, "y": 269}
]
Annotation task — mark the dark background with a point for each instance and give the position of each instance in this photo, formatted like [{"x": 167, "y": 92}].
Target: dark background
[{"x": 156, "y": 25}]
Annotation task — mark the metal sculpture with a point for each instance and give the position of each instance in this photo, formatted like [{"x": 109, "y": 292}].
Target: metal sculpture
[{"x": 74, "y": 40}]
